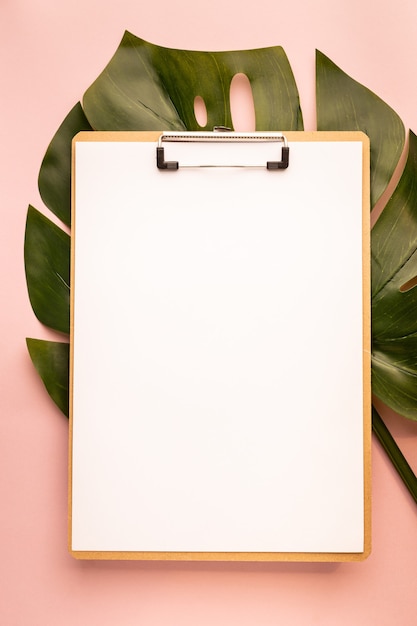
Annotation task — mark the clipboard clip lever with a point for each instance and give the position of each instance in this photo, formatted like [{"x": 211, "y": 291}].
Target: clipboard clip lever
[{"x": 221, "y": 134}]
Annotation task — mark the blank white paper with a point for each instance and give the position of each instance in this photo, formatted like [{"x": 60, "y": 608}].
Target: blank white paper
[{"x": 217, "y": 350}]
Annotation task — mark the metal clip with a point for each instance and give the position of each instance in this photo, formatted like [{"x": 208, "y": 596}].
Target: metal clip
[{"x": 222, "y": 134}]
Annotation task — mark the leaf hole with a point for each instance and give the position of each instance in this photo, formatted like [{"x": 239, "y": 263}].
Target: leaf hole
[
  {"x": 241, "y": 103},
  {"x": 200, "y": 111},
  {"x": 410, "y": 284}
]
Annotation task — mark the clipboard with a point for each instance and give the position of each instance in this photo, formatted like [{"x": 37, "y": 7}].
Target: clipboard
[{"x": 220, "y": 347}]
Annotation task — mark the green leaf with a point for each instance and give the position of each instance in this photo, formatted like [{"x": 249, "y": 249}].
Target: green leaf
[
  {"x": 394, "y": 236},
  {"x": 148, "y": 87},
  {"x": 47, "y": 265},
  {"x": 55, "y": 173},
  {"x": 396, "y": 456},
  {"x": 51, "y": 360},
  {"x": 394, "y": 375},
  {"x": 344, "y": 104},
  {"x": 394, "y": 296}
]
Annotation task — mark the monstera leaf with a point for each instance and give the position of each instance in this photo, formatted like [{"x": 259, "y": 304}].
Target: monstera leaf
[
  {"x": 47, "y": 255},
  {"x": 394, "y": 296},
  {"x": 51, "y": 361},
  {"x": 344, "y": 104},
  {"x": 148, "y": 87},
  {"x": 55, "y": 173}
]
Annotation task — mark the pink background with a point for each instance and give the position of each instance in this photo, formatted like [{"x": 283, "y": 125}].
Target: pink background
[{"x": 50, "y": 53}]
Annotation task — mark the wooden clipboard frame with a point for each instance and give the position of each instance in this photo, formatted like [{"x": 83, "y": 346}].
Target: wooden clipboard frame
[{"x": 292, "y": 136}]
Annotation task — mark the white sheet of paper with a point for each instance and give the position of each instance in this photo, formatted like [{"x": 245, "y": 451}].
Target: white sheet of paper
[{"x": 217, "y": 373}]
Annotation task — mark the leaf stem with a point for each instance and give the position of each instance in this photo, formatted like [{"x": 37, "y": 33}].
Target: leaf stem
[{"x": 396, "y": 456}]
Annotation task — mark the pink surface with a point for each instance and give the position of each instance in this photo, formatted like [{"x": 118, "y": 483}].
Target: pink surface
[{"x": 50, "y": 53}]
